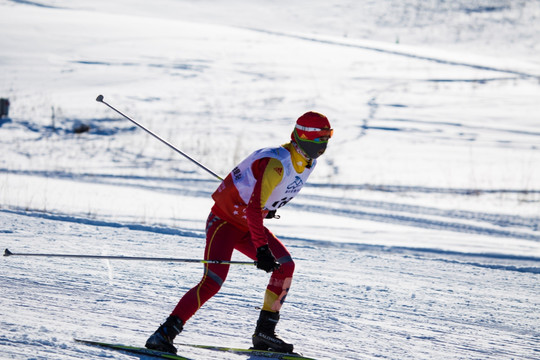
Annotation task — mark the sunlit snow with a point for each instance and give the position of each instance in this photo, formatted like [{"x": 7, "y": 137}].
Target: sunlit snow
[{"x": 417, "y": 236}]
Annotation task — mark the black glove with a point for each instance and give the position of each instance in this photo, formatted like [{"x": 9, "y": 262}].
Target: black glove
[
  {"x": 272, "y": 215},
  {"x": 266, "y": 260}
]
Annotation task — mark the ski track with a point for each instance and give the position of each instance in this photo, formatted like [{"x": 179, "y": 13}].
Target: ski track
[
  {"x": 419, "y": 222},
  {"x": 438, "y": 60},
  {"x": 194, "y": 188},
  {"x": 368, "y": 300},
  {"x": 531, "y": 223},
  {"x": 491, "y": 297},
  {"x": 389, "y": 289},
  {"x": 165, "y": 230},
  {"x": 183, "y": 182}
]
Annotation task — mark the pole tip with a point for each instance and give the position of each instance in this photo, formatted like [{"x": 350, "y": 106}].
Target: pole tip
[
  {"x": 99, "y": 98},
  {"x": 7, "y": 252}
]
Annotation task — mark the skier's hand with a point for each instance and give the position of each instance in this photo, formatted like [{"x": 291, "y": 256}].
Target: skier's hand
[
  {"x": 272, "y": 215},
  {"x": 266, "y": 260}
]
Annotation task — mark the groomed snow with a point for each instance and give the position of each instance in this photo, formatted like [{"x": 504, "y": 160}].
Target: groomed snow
[{"x": 417, "y": 236}]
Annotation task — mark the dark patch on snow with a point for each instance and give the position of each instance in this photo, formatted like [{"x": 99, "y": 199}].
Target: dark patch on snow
[
  {"x": 33, "y": 3},
  {"x": 476, "y": 81},
  {"x": 485, "y": 9},
  {"x": 184, "y": 65},
  {"x": 383, "y": 128},
  {"x": 395, "y": 105},
  {"x": 103, "y": 127},
  {"x": 4, "y": 121}
]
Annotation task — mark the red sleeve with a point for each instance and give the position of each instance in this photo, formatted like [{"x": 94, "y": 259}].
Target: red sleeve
[{"x": 254, "y": 212}]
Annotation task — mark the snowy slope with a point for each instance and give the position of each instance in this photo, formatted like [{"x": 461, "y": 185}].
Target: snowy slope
[{"x": 417, "y": 237}]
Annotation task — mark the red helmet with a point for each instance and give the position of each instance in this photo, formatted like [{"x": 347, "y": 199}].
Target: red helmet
[{"x": 311, "y": 133}]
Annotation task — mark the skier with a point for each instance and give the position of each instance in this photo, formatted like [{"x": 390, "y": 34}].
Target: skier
[{"x": 255, "y": 189}]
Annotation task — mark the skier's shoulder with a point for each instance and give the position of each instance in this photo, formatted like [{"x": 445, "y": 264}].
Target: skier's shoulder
[{"x": 278, "y": 152}]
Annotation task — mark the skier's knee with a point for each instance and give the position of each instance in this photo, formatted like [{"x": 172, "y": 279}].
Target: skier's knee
[
  {"x": 211, "y": 283},
  {"x": 287, "y": 266}
]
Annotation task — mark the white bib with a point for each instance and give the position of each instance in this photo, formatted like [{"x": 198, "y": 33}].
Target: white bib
[{"x": 290, "y": 184}]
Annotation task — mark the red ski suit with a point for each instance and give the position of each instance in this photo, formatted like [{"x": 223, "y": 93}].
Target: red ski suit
[{"x": 235, "y": 223}]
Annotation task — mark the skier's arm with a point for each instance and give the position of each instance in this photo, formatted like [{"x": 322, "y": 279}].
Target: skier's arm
[{"x": 268, "y": 172}]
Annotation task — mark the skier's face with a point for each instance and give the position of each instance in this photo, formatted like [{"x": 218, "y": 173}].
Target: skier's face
[{"x": 316, "y": 147}]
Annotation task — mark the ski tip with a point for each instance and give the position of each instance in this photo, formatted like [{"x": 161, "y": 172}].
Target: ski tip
[
  {"x": 99, "y": 98},
  {"x": 7, "y": 252}
]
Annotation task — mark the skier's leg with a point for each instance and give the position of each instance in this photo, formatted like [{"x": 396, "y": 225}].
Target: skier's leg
[
  {"x": 219, "y": 246},
  {"x": 265, "y": 337},
  {"x": 220, "y": 240},
  {"x": 280, "y": 281}
]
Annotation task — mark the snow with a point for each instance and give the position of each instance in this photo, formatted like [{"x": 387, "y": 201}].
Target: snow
[{"x": 417, "y": 236}]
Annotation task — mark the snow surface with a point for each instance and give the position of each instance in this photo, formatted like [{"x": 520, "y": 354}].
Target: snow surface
[{"x": 417, "y": 237}]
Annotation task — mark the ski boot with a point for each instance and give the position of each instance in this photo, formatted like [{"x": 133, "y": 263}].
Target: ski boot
[
  {"x": 265, "y": 337},
  {"x": 162, "y": 338}
]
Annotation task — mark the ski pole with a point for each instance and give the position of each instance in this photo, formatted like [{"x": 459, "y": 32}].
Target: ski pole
[
  {"x": 222, "y": 262},
  {"x": 100, "y": 99}
]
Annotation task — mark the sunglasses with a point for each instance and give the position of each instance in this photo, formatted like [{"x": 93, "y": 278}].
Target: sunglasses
[{"x": 323, "y": 134}]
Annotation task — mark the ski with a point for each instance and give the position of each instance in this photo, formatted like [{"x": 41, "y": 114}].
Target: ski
[
  {"x": 251, "y": 352},
  {"x": 134, "y": 350}
]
